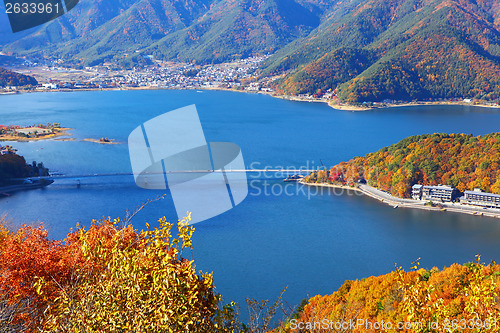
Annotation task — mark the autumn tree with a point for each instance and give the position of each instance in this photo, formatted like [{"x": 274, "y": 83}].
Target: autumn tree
[
  {"x": 458, "y": 295},
  {"x": 146, "y": 286}
]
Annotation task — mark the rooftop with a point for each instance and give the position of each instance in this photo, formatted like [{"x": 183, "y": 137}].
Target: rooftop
[
  {"x": 483, "y": 193},
  {"x": 447, "y": 187}
]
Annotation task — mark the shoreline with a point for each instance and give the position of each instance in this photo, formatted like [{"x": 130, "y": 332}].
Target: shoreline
[
  {"x": 341, "y": 107},
  {"x": 61, "y": 131},
  {"x": 6, "y": 190},
  {"x": 386, "y": 106},
  {"x": 410, "y": 203},
  {"x": 60, "y": 135}
]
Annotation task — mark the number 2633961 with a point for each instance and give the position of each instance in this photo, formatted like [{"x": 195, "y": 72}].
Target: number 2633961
[{"x": 32, "y": 8}]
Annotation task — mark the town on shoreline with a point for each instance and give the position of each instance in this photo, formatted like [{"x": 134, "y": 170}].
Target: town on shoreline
[{"x": 238, "y": 76}]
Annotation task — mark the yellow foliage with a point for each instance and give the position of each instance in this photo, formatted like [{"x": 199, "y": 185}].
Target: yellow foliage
[
  {"x": 425, "y": 300},
  {"x": 146, "y": 286}
]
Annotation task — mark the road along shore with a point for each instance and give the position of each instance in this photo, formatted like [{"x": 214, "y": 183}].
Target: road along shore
[{"x": 410, "y": 203}]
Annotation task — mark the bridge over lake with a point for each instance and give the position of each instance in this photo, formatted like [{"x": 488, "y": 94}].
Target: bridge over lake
[{"x": 279, "y": 173}]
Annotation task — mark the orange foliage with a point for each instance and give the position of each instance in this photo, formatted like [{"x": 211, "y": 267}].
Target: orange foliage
[
  {"x": 459, "y": 160},
  {"x": 459, "y": 293},
  {"x": 29, "y": 254}
]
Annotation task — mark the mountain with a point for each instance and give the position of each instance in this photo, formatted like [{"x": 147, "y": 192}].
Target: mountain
[
  {"x": 96, "y": 31},
  {"x": 460, "y": 160},
  {"x": 85, "y": 17},
  {"x": 423, "y": 49},
  {"x": 364, "y": 50},
  {"x": 329, "y": 71},
  {"x": 9, "y": 78},
  {"x": 241, "y": 28},
  {"x": 188, "y": 30}
]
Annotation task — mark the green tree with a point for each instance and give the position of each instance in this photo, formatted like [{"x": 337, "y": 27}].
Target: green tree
[{"x": 12, "y": 166}]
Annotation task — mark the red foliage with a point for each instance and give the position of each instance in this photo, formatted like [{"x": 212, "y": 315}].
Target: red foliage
[{"x": 29, "y": 254}]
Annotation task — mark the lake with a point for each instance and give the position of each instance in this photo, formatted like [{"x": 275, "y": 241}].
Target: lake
[{"x": 278, "y": 236}]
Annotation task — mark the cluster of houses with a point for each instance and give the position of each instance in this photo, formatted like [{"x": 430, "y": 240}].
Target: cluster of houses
[
  {"x": 9, "y": 129},
  {"x": 163, "y": 75},
  {"x": 445, "y": 193},
  {"x": 29, "y": 131}
]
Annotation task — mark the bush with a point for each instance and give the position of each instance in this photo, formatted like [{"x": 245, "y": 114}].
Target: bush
[{"x": 107, "y": 279}]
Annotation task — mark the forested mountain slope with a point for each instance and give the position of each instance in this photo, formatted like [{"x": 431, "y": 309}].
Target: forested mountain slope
[
  {"x": 460, "y": 160},
  {"x": 456, "y": 298},
  {"x": 421, "y": 49},
  {"x": 199, "y": 30},
  {"x": 364, "y": 50}
]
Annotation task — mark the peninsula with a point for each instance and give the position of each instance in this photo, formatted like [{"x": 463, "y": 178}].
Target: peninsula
[
  {"x": 16, "y": 174},
  {"x": 411, "y": 173},
  {"x": 33, "y": 132}
]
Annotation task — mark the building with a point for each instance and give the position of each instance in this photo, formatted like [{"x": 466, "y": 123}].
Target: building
[
  {"x": 416, "y": 192},
  {"x": 480, "y": 198},
  {"x": 50, "y": 86},
  {"x": 441, "y": 193}
]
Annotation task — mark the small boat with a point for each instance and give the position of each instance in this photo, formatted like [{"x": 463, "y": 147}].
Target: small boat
[
  {"x": 395, "y": 206},
  {"x": 293, "y": 178}
]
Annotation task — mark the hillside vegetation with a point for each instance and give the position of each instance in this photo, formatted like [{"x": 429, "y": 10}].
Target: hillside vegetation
[
  {"x": 204, "y": 31},
  {"x": 460, "y": 160},
  {"x": 328, "y": 72},
  {"x": 12, "y": 166},
  {"x": 424, "y": 49},
  {"x": 363, "y": 50},
  {"x": 10, "y": 78},
  {"x": 238, "y": 29},
  {"x": 459, "y": 298},
  {"x": 108, "y": 278}
]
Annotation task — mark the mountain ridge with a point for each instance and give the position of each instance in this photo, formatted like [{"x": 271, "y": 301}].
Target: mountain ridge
[
  {"x": 187, "y": 30},
  {"x": 448, "y": 27}
]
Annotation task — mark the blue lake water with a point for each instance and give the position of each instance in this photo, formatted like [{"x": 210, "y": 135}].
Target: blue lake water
[{"x": 308, "y": 241}]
